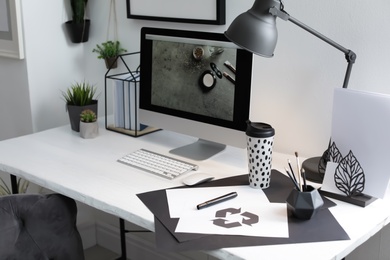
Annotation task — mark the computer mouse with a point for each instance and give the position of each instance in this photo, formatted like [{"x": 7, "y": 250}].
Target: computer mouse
[{"x": 197, "y": 178}]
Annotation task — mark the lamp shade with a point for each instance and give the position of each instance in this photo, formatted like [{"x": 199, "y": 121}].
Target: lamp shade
[{"x": 255, "y": 30}]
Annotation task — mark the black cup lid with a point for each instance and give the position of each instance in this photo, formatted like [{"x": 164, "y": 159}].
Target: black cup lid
[{"x": 260, "y": 130}]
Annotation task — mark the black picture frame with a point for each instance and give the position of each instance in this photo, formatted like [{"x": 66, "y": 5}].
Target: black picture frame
[{"x": 139, "y": 9}]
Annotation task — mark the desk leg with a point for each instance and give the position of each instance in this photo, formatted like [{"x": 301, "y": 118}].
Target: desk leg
[
  {"x": 14, "y": 184},
  {"x": 123, "y": 239}
]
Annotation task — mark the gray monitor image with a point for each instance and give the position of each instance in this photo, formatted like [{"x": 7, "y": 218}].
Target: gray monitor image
[{"x": 195, "y": 83}]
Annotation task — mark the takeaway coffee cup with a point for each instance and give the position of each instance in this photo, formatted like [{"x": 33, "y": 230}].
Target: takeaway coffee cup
[{"x": 260, "y": 138}]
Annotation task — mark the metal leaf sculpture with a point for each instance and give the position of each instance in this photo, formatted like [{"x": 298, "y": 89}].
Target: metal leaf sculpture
[
  {"x": 332, "y": 154},
  {"x": 349, "y": 176}
]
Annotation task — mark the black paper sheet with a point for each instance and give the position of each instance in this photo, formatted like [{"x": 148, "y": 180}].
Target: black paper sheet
[{"x": 322, "y": 227}]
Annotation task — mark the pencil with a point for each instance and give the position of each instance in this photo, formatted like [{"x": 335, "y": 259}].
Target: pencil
[
  {"x": 292, "y": 179},
  {"x": 299, "y": 170},
  {"x": 292, "y": 171}
]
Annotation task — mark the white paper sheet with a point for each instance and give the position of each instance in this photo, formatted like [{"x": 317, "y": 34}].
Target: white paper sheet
[
  {"x": 200, "y": 9},
  {"x": 249, "y": 214},
  {"x": 361, "y": 124},
  {"x": 328, "y": 183}
]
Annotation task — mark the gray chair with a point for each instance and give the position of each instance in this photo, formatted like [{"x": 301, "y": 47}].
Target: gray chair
[{"x": 39, "y": 227}]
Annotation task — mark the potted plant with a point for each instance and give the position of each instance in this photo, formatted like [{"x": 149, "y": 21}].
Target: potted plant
[
  {"x": 80, "y": 96},
  {"x": 22, "y": 186},
  {"x": 109, "y": 51},
  {"x": 89, "y": 127},
  {"x": 78, "y": 27}
]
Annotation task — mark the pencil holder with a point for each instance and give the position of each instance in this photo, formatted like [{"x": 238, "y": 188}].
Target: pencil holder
[{"x": 304, "y": 204}]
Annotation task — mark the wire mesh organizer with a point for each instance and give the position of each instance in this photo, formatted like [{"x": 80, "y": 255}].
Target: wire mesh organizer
[{"x": 122, "y": 92}]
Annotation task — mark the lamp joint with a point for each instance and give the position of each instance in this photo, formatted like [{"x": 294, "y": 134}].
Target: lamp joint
[
  {"x": 279, "y": 13},
  {"x": 350, "y": 56}
]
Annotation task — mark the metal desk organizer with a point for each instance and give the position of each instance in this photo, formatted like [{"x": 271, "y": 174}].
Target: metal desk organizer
[{"x": 125, "y": 98}]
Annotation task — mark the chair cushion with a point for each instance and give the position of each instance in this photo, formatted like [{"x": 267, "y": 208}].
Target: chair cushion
[{"x": 35, "y": 226}]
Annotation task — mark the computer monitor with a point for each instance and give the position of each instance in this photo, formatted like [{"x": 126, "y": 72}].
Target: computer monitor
[{"x": 195, "y": 83}]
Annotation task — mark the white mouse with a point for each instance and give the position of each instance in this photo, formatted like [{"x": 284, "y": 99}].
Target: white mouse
[{"x": 197, "y": 178}]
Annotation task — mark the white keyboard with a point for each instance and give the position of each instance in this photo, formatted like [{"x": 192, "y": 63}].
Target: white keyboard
[{"x": 158, "y": 164}]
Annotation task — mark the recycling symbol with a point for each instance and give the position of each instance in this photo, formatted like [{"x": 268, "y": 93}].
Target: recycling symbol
[{"x": 248, "y": 218}]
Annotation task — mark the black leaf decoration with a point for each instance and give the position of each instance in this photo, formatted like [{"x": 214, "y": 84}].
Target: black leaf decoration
[
  {"x": 349, "y": 176},
  {"x": 332, "y": 154}
]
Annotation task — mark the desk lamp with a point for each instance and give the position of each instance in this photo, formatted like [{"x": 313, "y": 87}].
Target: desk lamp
[{"x": 255, "y": 31}]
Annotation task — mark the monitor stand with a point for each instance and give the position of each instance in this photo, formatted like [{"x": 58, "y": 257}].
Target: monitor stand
[{"x": 199, "y": 150}]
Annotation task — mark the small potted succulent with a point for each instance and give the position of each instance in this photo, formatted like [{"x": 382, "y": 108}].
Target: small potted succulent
[
  {"x": 78, "y": 97},
  {"x": 109, "y": 51},
  {"x": 89, "y": 127}
]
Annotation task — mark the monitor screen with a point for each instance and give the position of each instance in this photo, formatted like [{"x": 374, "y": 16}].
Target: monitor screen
[{"x": 196, "y": 79}]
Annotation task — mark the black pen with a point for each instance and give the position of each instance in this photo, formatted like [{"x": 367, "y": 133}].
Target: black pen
[{"x": 228, "y": 196}]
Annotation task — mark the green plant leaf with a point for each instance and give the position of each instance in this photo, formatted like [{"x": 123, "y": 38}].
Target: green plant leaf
[
  {"x": 22, "y": 186},
  {"x": 88, "y": 116},
  {"x": 78, "y": 9},
  {"x": 109, "y": 49},
  {"x": 4, "y": 188},
  {"x": 79, "y": 94}
]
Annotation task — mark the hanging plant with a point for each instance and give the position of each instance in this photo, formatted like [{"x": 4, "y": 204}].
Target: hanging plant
[
  {"x": 109, "y": 51},
  {"x": 78, "y": 27}
]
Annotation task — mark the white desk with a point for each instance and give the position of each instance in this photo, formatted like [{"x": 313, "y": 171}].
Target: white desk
[{"x": 86, "y": 170}]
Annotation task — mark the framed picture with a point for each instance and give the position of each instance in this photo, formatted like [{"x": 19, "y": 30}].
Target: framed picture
[
  {"x": 184, "y": 11},
  {"x": 11, "y": 37}
]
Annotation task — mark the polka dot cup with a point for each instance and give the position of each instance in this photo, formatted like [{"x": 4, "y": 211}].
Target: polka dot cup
[{"x": 260, "y": 138}]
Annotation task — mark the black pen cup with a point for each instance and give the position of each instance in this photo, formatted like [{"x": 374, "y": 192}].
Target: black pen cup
[{"x": 304, "y": 204}]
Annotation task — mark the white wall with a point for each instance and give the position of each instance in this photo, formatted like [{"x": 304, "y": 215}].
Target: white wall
[
  {"x": 15, "y": 113},
  {"x": 292, "y": 91},
  {"x": 296, "y": 85},
  {"x": 53, "y": 62}
]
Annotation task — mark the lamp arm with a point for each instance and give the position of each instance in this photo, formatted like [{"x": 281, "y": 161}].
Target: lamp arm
[{"x": 350, "y": 56}]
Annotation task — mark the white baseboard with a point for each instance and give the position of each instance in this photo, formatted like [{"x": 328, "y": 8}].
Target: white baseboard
[{"x": 139, "y": 245}]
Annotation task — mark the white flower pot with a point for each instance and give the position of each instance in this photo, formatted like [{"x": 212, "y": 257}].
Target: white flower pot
[{"x": 89, "y": 130}]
